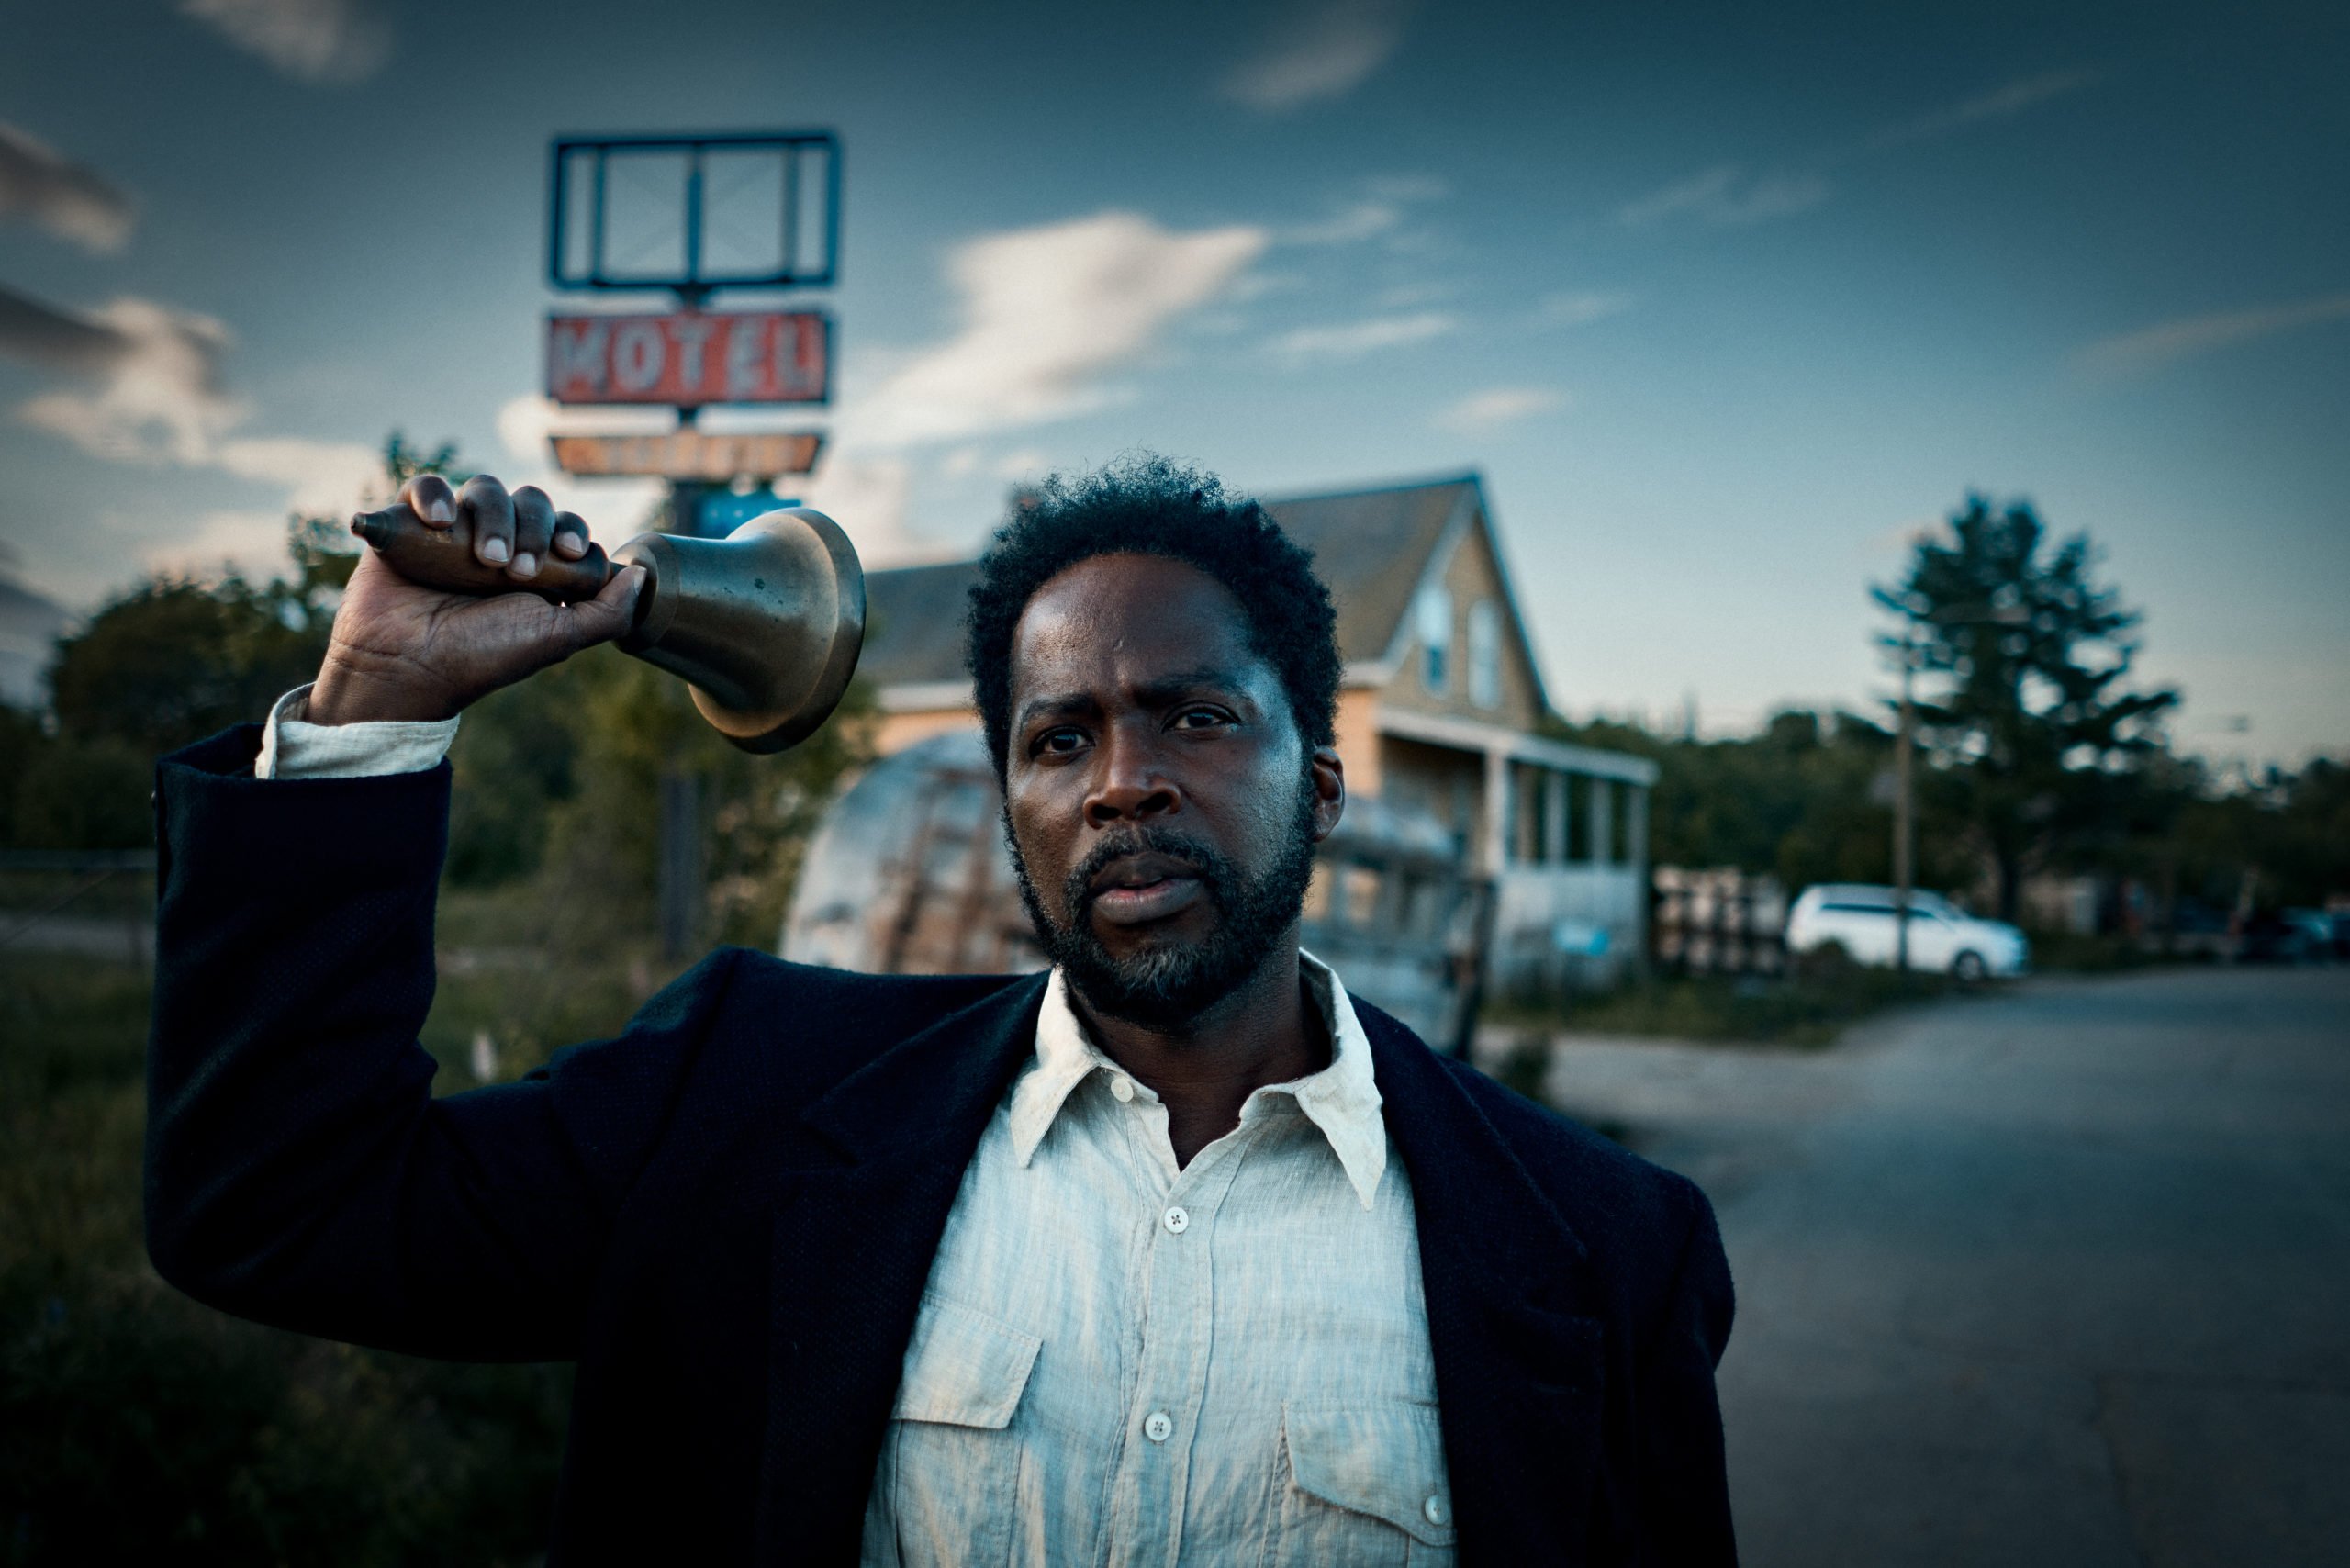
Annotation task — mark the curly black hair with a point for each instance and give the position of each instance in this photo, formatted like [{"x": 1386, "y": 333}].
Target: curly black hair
[{"x": 1150, "y": 505}]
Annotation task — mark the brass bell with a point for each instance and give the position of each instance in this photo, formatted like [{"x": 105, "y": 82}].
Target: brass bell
[{"x": 766, "y": 623}]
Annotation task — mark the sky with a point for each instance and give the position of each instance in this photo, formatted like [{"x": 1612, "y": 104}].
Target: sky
[{"x": 1724, "y": 307}]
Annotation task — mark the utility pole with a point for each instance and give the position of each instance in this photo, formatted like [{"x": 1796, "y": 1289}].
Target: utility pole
[{"x": 1905, "y": 802}]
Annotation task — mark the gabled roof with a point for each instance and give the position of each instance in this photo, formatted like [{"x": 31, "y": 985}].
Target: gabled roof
[
  {"x": 1370, "y": 546},
  {"x": 913, "y": 623}
]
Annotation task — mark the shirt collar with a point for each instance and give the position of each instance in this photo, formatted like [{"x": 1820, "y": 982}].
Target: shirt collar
[{"x": 1342, "y": 1099}]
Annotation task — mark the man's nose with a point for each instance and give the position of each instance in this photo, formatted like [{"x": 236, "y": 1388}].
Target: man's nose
[{"x": 1129, "y": 785}]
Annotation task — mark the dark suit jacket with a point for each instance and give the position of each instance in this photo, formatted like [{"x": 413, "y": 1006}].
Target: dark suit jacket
[{"x": 727, "y": 1215}]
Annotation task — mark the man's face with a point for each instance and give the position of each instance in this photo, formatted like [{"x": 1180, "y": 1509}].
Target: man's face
[{"x": 1162, "y": 807}]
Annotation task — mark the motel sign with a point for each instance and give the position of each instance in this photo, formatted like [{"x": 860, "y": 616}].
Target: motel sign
[{"x": 691, "y": 359}]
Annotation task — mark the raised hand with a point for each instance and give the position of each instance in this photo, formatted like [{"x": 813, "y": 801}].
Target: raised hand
[{"x": 401, "y": 650}]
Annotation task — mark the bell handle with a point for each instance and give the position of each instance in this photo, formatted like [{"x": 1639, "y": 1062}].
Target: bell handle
[{"x": 443, "y": 558}]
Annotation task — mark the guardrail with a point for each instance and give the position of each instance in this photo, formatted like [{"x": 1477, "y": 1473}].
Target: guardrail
[{"x": 51, "y": 926}]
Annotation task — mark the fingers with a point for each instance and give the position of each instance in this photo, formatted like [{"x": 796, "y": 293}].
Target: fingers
[
  {"x": 534, "y": 528},
  {"x": 516, "y": 532},
  {"x": 609, "y": 613},
  {"x": 570, "y": 535},
  {"x": 429, "y": 496},
  {"x": 488, "y": 511}
]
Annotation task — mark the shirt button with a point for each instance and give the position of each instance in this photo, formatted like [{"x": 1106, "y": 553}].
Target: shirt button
[
  {"x": 1157, "y": 1426},
  {"x": 1434, "y": 1508},
  {"x": 1178, "y": 1222},
  {"x": 1121, "y": 1090}
]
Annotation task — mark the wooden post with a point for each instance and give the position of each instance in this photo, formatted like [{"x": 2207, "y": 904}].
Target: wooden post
[
  {"x": 1554, "y": 817},
  {"x": 681, "y": 871},
  {"x": 1904, "y": 805}
]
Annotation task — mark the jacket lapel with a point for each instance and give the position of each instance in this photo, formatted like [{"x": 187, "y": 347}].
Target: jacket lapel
[
  {"x": 853, "y": 1235},
  {"x": 1520, "y": 1354}
]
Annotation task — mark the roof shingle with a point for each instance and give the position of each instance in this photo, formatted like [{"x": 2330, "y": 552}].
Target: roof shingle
[{"x": 1369, "y": 546}]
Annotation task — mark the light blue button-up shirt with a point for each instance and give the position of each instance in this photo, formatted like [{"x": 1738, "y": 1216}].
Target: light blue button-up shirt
[{"x": 1119, "y": 1362}]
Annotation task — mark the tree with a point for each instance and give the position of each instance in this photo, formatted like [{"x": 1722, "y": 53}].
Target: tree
[
  {"x": 2033, "y": 730},
  {"x": 169, "y": 661},
  {"x": 1800, "y": 798}
]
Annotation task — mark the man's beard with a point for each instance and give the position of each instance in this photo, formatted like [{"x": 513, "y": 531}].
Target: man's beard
[{"x": 1171, "y": 981}]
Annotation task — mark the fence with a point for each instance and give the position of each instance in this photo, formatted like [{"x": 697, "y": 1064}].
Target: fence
[
  {"x": 1718, "y": 920},
  {"x": 100, "y": 902}
]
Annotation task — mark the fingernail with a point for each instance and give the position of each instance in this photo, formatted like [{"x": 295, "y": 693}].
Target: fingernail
[
  {"x": 440, "y": 511},
  {"x": 494, "y": 551},
  {"x": 526, "y": 565},
  {"x": 571, "y": 544}
]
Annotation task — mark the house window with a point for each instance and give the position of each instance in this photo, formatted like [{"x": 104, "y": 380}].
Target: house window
[
  {"x": 1485, "y": 654},
  {"x": 1433, "y": 613}
]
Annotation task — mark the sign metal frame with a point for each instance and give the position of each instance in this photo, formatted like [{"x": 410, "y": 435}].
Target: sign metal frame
[{"x": 692, "y": 282}]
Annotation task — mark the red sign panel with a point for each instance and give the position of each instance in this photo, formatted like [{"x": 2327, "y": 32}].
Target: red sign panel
[{"x": 691, "y": 358}]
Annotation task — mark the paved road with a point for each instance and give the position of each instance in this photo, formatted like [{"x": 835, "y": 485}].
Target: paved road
[{"x": 2059, "y": 1275}]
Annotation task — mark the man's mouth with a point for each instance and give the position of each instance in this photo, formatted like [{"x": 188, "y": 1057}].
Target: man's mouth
[{"x": 1135, "y": 889}]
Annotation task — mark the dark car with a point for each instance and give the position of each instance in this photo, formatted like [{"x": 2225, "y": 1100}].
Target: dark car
[{"x": 2269, "y": 938}]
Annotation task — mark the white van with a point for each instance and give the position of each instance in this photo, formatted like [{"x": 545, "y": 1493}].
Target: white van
[{"x": 1943, "y": 939}]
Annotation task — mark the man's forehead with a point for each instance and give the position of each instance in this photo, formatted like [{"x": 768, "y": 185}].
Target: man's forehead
[{"x": 1126, "y": 618}]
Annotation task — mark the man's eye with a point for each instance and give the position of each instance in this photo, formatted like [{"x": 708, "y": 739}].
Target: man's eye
[
  {"x": 1198, "y": 719},
  {"x": 1059, "y": 742}
]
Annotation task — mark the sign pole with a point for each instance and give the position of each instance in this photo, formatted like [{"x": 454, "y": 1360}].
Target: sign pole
[{"x": 686, "y": 359}]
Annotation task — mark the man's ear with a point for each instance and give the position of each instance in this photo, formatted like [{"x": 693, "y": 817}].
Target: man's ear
[{"x": 1328, "y": 776}]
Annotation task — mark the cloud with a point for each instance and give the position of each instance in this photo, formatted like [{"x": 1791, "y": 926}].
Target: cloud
[
  {"x": 1321, "y": 51},
  {"x": 525, "y": 423},
  {"x": 1580, "y": 309},
  {"x": 1725, "y": 197},
  {"x": 321, "y": 477},
  {"x": 1358, "y": 221},
  {"x": 1045, "y": 314},
  {"x": 869, "y": 496},
  {"x": 1353, "y": 340},
  {"x": 1483, "y": 413},
  {"x": 68, "y": 199},
  {"x": 250, "y": 543},
  {"x": 2000, "y": 103},
  {"x": 1407, "y": 295},
  {"x": 310, "y": 40},
  {"x": 154, "y": 393},
  {"x": 158, "y": 394},
  {"x": 2151, "y": 348},
  {"x": 31, "y": 331},
  {"x": 974, "y": 461},
  {"x": 1903, "y": 538},
  {"x": 1380, "y": 210}
]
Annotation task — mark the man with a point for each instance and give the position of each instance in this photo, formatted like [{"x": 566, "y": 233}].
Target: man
[{"x": 1176, "y": 1254}]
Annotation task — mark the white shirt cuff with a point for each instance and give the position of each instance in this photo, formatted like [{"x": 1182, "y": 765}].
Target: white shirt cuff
[{"x": 294, "y": 748}]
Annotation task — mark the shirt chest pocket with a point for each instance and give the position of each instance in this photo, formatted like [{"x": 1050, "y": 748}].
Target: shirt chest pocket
[
  {"x": 1365, "y": 1484},
  {"x": 952, "y": 1481}
]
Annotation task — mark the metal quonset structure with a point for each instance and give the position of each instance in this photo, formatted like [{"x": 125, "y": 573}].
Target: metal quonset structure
[{"x": 909, "y": 873}]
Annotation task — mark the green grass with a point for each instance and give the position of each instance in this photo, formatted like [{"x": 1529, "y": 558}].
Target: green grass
[
  {"x": 116, "y": 895},
  {"x": 2065, "y": 952},
  {"x": 1803, "y": 1010},
  {"x": 136, "y": 1426}
]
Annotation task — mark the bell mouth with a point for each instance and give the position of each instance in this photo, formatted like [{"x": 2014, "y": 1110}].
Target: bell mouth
[{"x": 765, "y": 625}]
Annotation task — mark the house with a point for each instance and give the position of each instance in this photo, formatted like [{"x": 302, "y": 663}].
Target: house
[{"x": 1440, "y": 714}]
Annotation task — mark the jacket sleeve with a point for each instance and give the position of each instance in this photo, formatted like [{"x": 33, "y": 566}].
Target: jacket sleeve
[
  {"x": 299, "y": 1170},
  {"x": 1683, "y": 1495}
]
